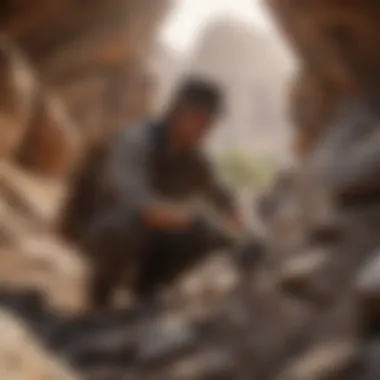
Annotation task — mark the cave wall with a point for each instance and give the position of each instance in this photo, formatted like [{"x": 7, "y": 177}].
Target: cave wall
[
  {"x": 87, "y": 67},
  {"x": 322, "y": 248},
  {"x": 336, "y": 43}
]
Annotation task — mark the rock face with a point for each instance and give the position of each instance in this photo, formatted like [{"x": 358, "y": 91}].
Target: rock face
[
  {"x": 22, "y": 357},
  {"x": 335, "y": 112},
  {"x": 336, "y": 46},
  {"x": 71, "y": 69},
  {"x": 80, "y": 47},
  {"x": 18, "y": 89},
  {"x": 70, "y": 73},
  {"x": 35, "y": 126}
]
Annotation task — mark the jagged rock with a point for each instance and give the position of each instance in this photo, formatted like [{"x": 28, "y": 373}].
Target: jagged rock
[
  {"x": 51, "y": 145},
  {"x": 21, "y": 356},
  {"x": 207, "y": 364},
  {"x": 368, "y": 287},
  {"x": 164, "y": 340},
  {"x": 39, "y": 202},
  {"x": 18, "y": 88},
  {"x": 338, "y": 58},
  {"x": 302, "y": 275},
  {"x": 310, "y": 109},
  {"x": 371, "y": 360},
  {"x": 338, "y": 41},
  {"x": 76, "y": 46},
  {"x": 34, "y": 126},
  {"x": 332, "y": 361}
]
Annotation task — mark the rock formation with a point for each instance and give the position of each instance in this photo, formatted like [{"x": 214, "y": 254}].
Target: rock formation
[
  {"x": 336, "y": 45},
  {"x": 71, "y": 69},
  {"x": 323, "y": 224}
]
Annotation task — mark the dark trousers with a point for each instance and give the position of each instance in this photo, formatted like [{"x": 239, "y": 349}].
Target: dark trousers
[
  {"x": 166, "y": 257},
  {"x": 145, "y": 261}
]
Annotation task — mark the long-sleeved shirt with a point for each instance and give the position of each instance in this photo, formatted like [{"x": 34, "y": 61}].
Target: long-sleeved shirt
[{"x": 140, "y": 166}]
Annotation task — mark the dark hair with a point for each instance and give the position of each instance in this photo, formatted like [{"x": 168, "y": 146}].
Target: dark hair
[{"x": 201, "y": 93}]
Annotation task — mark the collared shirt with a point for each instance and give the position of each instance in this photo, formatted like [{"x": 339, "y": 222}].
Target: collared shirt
[{"x": 140, "y": 166}]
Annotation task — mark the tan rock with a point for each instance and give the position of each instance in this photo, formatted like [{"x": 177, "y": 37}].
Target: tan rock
[
  {"x": 331, "y": 361},
  {"x": 301, "y": 275},
  {"x": 72, "y": 44},
  {"x": 18, "y": 88},
  {"x": 22, "y": 356},
  {"x": 32, "y": 196},
  {"x": 52, "y": 143},
  {"x": 367, "y": 287}
]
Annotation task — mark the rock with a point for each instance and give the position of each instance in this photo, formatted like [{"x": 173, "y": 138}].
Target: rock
[
  {"x": 76, "y": 47},
  {"x": 368, "y": 287},
  {"x": 310, "y": 107},
  {"x": 42, "y": 198},
  {"x": 302, "y": 275},
  {"x": 163, "y": 341},
  {"x": 331, "y": 361},
  {"x": 371, "y": 360},
  {"x": 21, "y": 356},
  {"x": 208, "y": 363},
  {"x": 18, "y": 87},
  {"x": 51, "y": 145}
]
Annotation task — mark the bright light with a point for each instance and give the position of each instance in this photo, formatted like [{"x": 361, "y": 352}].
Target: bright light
[{"x": 190, "y": 16}]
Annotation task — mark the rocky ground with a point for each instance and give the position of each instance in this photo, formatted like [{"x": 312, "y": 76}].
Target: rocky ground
[
  {"x": 303, "y": 314},
  {"x": 42, "y": 292}
]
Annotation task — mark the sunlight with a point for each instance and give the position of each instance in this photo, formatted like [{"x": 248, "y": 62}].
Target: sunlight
[{"x": 189, "y": 17}]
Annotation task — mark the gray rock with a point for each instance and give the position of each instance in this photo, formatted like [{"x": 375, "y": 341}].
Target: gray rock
[
  {"x": 331, "y": 361},
  {"x": 302, "y": 275},
  {"x": 367, "y": 286},
  {"x": 164, "y": 340}
]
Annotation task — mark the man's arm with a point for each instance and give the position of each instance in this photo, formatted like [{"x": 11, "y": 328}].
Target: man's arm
[
  {"x": 220, "y": 196},
  {"x": 127, "y": 177}
]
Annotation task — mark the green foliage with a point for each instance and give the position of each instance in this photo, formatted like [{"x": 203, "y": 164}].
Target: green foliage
[{"x": 241, "y": 168}]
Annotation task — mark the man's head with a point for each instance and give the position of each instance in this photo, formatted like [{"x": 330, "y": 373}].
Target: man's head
[{"x": 197, "y": 104}]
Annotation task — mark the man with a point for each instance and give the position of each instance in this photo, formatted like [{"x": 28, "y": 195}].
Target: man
[{"x": 143, "y": 227}]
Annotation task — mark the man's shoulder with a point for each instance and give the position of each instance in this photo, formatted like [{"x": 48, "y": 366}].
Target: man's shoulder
[
  {"x": 135, "y": 131},
  {"x": 137, "y": 136}
]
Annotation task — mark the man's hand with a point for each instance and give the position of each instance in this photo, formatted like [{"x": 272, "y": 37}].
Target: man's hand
[
  {"x": 215, "y": 231},
  {"x": 248, "y": 250},
  {"x": 162, "y": 215}
]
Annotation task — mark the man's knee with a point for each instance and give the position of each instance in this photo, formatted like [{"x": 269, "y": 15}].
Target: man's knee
[
  {"x": 112, "y": 250},
  {"x": 169, "y": 256}
]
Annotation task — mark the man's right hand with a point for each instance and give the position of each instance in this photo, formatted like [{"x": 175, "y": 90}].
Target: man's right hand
[
  {"x": 211, "y": 229},
  {"x": 162, "y": 215}
]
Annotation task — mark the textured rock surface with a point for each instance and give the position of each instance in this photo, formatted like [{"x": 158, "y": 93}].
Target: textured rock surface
[
  {"x": 72, "y": 73},
  {"x": 22, "y": 357},
  {"x": 84, "y": 53}
]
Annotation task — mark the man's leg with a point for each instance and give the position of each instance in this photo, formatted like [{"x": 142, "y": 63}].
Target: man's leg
[
  {"x": 112, "y": 249},
  {"x": 105, "y": 278},
  {"x": 168, "y": 256}
]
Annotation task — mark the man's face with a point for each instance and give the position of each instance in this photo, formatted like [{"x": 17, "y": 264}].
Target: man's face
[{"x": 190, "y": 124}]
